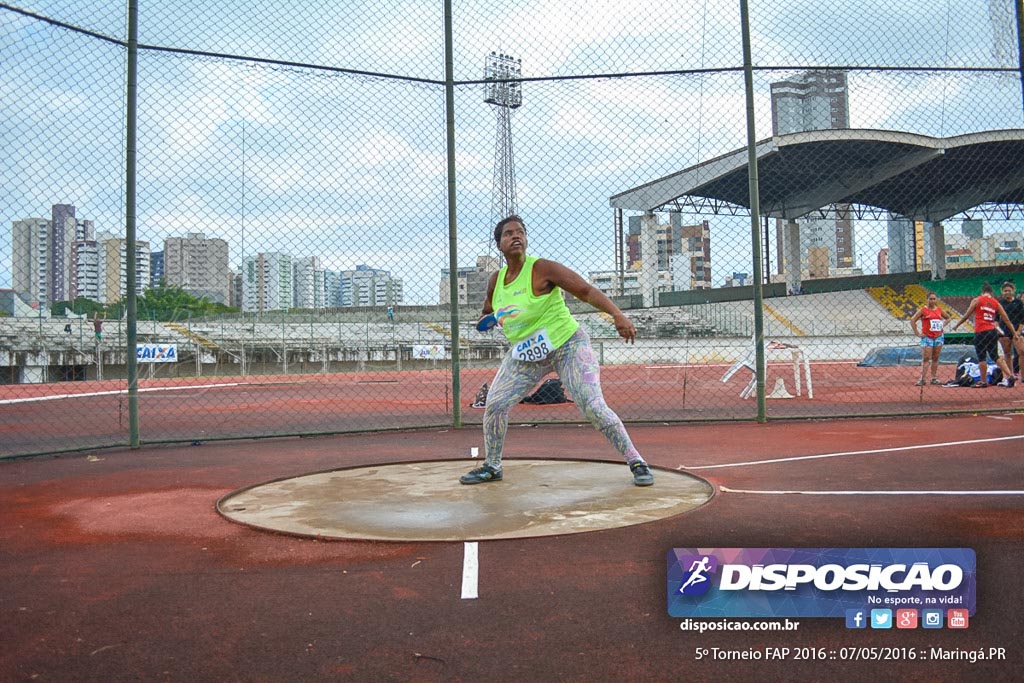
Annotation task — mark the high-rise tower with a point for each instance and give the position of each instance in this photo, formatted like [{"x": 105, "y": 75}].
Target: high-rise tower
[{"x": 816, "y": 100}]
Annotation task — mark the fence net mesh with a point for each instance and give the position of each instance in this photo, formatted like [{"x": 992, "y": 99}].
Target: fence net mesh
[{"x": 293, "y": 253}]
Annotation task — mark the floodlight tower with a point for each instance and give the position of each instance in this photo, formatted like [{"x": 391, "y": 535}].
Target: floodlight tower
[{"x": 504, "y": 91}]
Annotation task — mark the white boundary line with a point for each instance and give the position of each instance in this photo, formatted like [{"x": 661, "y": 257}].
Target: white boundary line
[
  {"x": 116, "y": 392},
  {"x": 470, "y": 571},
  {"x": 726, "y": 365},
  {"x": 878, "y": 493},
  {"x": 471, "y": 558},
  {"x": 897, "y": 449}
]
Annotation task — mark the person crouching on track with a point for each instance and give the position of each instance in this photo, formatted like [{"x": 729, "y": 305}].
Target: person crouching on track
[
  {"x": 525, "y": 300},
  {"x": 987, "y": 310},
  {"x": 933, "y": 321}
]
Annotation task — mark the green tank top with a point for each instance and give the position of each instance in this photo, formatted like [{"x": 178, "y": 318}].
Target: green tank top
[{"x": 534, "y": 325}]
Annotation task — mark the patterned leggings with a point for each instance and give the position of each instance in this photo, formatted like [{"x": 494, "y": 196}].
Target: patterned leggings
[{"x": 579, "y": 371}]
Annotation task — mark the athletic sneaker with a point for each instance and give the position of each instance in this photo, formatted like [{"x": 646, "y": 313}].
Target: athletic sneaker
[
  {"x": 936, "y": 380},
  {"x": 1008, "y": 382},
  {"x": 480, "y": 400},
  {"x": 919, "y": 383},
  {"x": 481, "y": 475},
  {"x": 641, "y": 474}
]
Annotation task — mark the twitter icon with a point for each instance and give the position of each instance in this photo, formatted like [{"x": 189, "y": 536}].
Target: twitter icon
[{"x": 881, "y": 618}]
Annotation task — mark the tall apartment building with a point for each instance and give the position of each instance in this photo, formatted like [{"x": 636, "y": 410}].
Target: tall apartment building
[
  {"x": 43, "y": 254},
  {"x": 815, "y": 100},
  {"x": 609, "y": 282},
  {"x": 235, "y": 291},
  {"x": 267, "y": 282},
  {"x": 308, "y": 283},
  {"x": 62, "y": 234},
  {"x": 112, "y": 266},
  {"x": 684, "y": 251},
  {"x": 908, "y": 244},
  {"x": 198, "y": 265},
  {"x": 30, "y": 259},
  {"x": 332, "y": 289},
  {"x": 85, "y": 272},
  {"x": 366, "y": 286},
  {"x": 471, "y": 282},
  {"x": 156, "y": 268}
]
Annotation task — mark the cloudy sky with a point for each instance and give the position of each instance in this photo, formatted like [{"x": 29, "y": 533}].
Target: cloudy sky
[{"x": 352, "y": 167}]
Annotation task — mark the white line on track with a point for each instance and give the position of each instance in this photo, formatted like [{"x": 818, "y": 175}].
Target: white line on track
[
  {"x": 878, "y": 493},
  {"x": 470, "y": 558},
  {"x": 897, "y": 449},
  {"x": 118, "y": 391},
  {"x": 726, "y": 365},
  {"x": 470, "y": 571}
]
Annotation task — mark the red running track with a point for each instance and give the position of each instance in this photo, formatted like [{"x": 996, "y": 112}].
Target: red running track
[
  {"x": 115, "y": 565},
  {"x": 94, "y": 414}
]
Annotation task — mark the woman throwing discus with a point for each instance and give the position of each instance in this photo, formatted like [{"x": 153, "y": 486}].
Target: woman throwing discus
[
  {"x": 933, "y": 321},
  {"x": 526, "y": 302}
]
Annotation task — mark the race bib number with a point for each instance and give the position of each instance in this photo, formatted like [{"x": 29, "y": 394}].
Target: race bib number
[
  {"x": 936, "y": 324},
  {"x": 535, "y": 348}
]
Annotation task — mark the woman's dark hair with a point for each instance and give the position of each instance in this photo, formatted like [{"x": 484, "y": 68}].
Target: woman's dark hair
[
  {"x": 986, "y": 288},
  {"x": 1009, "y": 283},
  {"x": 513, "y": 218}
]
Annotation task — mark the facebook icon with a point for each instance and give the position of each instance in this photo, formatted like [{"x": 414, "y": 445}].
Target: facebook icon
[{"x": 856, "y": 618}]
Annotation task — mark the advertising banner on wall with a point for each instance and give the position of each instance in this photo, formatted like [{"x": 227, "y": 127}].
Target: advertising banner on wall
[{"x": 156, "y": 353}]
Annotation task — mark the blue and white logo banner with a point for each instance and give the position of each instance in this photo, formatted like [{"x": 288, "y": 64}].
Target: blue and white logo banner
[
  {"x": 156, "y": 353},
  {"x": 429, "y": 352},
  {"x": 816, "y": 582}
]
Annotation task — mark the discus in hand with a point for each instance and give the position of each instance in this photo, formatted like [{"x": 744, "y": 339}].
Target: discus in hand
[{"x": 486, "y": 323}]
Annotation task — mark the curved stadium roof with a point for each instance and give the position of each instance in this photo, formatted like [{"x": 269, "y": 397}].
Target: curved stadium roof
[{"x": 916, "y": 176}]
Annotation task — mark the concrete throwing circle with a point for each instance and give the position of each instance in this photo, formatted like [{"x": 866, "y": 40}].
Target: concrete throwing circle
[{"x": 424, "y": 501}]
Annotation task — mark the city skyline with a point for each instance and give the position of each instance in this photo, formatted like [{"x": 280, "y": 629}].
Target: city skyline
[
  {"x": 280, "y": 280},
  {"x": 352, "y": 168}
]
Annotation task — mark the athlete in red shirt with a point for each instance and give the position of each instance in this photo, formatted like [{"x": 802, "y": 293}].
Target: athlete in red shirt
[
  {"x": 986, "y": 309},
  {"x": 933, "y": 320}
]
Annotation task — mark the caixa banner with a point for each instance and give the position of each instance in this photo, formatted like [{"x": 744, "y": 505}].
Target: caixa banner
[
  {"x": 816, "y": 582},
  {"x": 156, "y": 353}
]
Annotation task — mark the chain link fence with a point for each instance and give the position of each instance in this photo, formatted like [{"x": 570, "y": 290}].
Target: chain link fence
[{"x": 304, "y": 265}]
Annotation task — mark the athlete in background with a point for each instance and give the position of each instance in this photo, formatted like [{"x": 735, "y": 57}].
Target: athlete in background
[
  {"x": 1014, "y": 307},
  {"x": 933, "y": 321},
  {"x": 986, "y": 310}
]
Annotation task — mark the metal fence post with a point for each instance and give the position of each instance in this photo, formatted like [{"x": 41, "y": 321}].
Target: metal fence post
[
  {"x": 453, "y": 242},
  {"x": 131, "y": 105},
  {"x": 755, "y": 210}
]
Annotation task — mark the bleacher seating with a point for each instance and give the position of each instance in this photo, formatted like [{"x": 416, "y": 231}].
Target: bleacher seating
[{"x": 853, "y": 312}]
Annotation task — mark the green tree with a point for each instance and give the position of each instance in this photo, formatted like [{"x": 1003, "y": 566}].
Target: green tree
[
  {"x": 78, "y": 307},
  {"x": 171, "y": 303}
]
